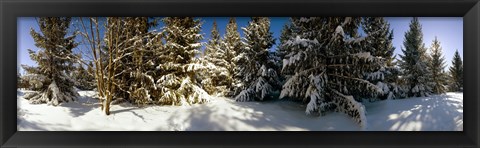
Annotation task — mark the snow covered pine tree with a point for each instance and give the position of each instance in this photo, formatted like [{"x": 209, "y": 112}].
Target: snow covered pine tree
[
  {"x": 21, "y": 82},
  {"x": 414, "y": 63},
  {"x": 217, "y": 77},
  {"x": 177, "y": 83},
  {"x": 258, "y": 78},
  {"x": 54, "y": 59},
  {"x": 83, "y": 79},
  {"x": 232, "y": 45},
  {"x": 437, "y": 66},
  {"x": 137, "y": 68},
  {"x": 380, "y": 45},
  {"x": 282, "y": 50},
  {"x": 456, "y": 73},
  {"x": 328, "y": 62},
  {"x": 284, "y": 37}
]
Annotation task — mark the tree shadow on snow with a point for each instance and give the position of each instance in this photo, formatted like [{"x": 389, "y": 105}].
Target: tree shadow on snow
[
  {"x": 129, "y": 110},
  {"x": 26, "y": 125},
  {"x": 241, "y": 116},
  {"x": 81, "y": 106},
  {"x": 20, "y": 93},
  {"x": 436, "y": 113}
]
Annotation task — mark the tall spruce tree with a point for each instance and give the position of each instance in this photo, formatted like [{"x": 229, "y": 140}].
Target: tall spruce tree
[
  {"x": 456, "y": 73},
  {"x": 217, "y": 78},
  {"x": 414, "y": 62},
  {"x": 257, "y": 77},
  {"x": 328, "y": 61},
  {"x": 437, "y": 66},
  {"x": 282, "y": 48},
  {"x": 380, "y": 45},
  {"x": 177, "y": 84},
  {"x": 55, "y": 60},
  {"x": 232, "y": 45},
  {"x": 286, "y": 33}
]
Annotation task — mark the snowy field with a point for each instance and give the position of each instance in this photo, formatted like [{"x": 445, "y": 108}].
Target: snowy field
[{"x": 435, "y": 113}]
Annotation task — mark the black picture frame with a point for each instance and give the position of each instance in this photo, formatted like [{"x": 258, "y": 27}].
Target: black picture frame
[{"x": 11, "y": 9}]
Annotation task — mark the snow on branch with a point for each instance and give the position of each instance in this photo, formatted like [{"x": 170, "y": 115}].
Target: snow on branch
[
  {"x": 349, "y": 106},
  {"x": 339, "y": 31},
  {"x": 293, "y": 59},
  {"x": 245, "y": 95},
  {"x": 365, "y": 55}
]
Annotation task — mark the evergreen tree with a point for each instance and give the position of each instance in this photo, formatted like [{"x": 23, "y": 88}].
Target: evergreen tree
[
  {"x": 380, "y": 45},
  {"x": 139, "y": 68},
  {"x": 328, "y": 61},
  {"x": 232, "y": 45},
  {"x": 83, "y": 79},
  {"x": 437, "y": 66},
  {"x": 414, "y": 62},
  {"x": 282, "y": 48},
  {"x": 21, "y": 81},
  {"x": 456, "y": 73},
  {"x": 217, "y": 77},
  {"x": 54, "y": 59},
  {"x": 286, "y": 33},
  {"x": 257, "y": 76},
  {"x": 91, "y": 73},
  {"x": 176, "y": 83}
]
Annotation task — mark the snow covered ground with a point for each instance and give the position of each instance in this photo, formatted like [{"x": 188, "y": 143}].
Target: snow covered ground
[{"x": 435, "y": 113}]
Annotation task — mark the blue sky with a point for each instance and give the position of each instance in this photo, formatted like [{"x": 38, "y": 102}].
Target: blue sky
[{"x": 449, "y": 31}]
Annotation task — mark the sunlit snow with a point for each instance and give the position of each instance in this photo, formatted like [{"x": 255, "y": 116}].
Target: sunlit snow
[{"x": 435, "y": 113}]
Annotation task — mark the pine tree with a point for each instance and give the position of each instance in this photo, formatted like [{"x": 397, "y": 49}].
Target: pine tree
[
  {"x": 217, "y": 77},
  {"x": 282, "y": 48},
  {"x": 456, "y": 73},
  {"x": 54, "y": 59},
  {"x": 380, "y": 45},
  {"x": 91, "y": 73},
  {"x": 328, "y": 61},
  {"x": 257, "y": 77},
  {"x": 31, "y": 81},
  {"x": 83, "y": 79},
  {"x": 414, "y": 62},
  {"x": 232, "y": 45},
  {"x": 139, "y": 68},
  {"x": 177, "y": 84},
  {"x": 286, "y": 33},
  {"x": 437, "y": 66},
  {"x": 21, "y": 82}
]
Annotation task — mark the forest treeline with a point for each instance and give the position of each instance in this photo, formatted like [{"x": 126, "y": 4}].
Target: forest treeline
[{"x": 321, "y": 61}]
